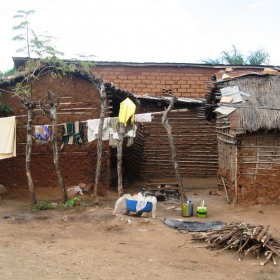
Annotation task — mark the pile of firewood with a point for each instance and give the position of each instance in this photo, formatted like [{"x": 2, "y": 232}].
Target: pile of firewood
[{"x": 245, "y": 238}]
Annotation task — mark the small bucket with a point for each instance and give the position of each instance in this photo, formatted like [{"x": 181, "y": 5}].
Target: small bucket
[{"x": 201, "y": 211}]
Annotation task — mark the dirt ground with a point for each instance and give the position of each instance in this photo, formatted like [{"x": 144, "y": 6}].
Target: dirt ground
[{"x": 92, "y": 243}]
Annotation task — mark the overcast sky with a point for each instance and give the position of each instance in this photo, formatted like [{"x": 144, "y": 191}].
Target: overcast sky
[{"x": 185, "y": 31}]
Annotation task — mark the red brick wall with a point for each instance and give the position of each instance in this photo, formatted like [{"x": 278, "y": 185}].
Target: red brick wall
[{"x": 184, "y": 81}]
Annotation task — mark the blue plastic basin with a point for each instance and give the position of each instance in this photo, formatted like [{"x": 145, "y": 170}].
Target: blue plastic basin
[{"x": 131, "y": 206}]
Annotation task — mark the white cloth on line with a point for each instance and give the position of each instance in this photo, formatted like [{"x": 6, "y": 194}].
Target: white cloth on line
[
  {"x": 146, "y": 117},
  {"x": 8, "y": 137},
  {"x": 93, "y": 126},
  {"x": 129, "y": 133}
]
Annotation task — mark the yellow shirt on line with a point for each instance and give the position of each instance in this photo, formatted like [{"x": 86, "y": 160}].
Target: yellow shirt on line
[{"x": 127, "y": 110}]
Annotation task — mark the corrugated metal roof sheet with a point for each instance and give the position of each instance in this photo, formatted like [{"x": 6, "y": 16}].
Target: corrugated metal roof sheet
[
  {"x": 224, "y": 75},
  {"x": 19, "y": 61}
]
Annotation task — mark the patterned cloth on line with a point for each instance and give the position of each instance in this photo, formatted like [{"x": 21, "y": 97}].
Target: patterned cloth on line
[
  {"x": 72, "y": 133},
  {"x": 41, "y": 134}
]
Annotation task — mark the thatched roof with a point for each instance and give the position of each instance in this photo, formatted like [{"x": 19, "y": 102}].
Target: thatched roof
[{"x": 262, "y": 108}]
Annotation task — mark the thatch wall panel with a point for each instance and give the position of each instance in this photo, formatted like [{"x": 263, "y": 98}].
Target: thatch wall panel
[{"x": 262, "y": 109}]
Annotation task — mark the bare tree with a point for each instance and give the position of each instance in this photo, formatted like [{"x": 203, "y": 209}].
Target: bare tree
[
  {"x": 168, "y": 128},
  {"x": 99, "y": 142},
  {"x": 53, "y": 104},
  {"x": 46, "y": 62}
]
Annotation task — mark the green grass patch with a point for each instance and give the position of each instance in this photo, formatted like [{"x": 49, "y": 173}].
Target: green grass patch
[
  {"x": 73, "y": 203},
  {"x": 40, "y": 205}
]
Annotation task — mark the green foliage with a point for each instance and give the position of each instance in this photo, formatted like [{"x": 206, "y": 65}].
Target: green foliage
[
  {"x": 47, "y": 57},
  {"x": 235, "y": 57},
  {"x": 258, "y": 57},
  {"x": 28, "y": 35},
  {"x": 212, "y": 61},
  {"x": 86, "y": 61},
  {"x": 41, "y": 205},
  {"x": 73, "y": 202},
  {"x": 5, "y": 108}
]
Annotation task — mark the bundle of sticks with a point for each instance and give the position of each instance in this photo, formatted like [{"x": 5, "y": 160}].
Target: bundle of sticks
[{"x": 245, "y": 238}]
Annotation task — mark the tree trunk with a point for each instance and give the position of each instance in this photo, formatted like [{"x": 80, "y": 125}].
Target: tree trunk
[
  {"x": 168, "y": 128},
  {"x": 30, "y": 115},
  {"x": 55, "y": 154},
  {"x": 121, "y": 131},
  {"x": 52, "y": 113},
  {"x": 99, "y": 143}
]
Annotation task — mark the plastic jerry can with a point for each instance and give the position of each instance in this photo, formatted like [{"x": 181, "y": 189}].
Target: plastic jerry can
[{"x": 187, "y": 208}]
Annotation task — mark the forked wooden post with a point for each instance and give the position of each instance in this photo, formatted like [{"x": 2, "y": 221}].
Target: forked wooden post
[
  {"x": 99, "y": 143},
  {"x": 168, "y": 128},
  {"x": 120, "y": 130},
  {"x": 52, "y": 113},
  {"x": 29, "y": 105}
]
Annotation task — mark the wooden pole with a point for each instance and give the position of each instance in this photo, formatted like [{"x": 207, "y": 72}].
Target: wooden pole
[
  {"x": 225, "y": 189},
  {"x": 121, "y": 131},
  {"x": 168, "y": 128},
  {"x": 171, "y": 111},
  {"x": 52, "y": 113},
  {"x": 29, "y": 105},
  {"x": 235, "y": 181},
  {"x": 99, "y": 143}
]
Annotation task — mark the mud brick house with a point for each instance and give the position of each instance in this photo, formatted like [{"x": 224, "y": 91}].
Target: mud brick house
[
  {"x": 248, "y": 134},
  {"x": 79, "y": 101},
  {"x": 194, "y": 136}
]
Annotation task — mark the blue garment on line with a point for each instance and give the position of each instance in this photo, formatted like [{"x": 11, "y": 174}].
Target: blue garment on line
[{"x": 42, "y": 133}]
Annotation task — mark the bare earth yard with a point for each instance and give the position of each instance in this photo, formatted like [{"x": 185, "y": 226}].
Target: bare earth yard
[{"x": 92, "y": 243}]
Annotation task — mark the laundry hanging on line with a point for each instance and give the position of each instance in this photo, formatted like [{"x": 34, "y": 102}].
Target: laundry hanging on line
[
  {"x": 93, "y": 126},
  {"x": 127, "y": 111},
  {"x": 72, "y": 133},
  {"x": 146, "y": 117},
  {"x": 130, "y": 133},
  {"x": 8, "y": 137},
  {"x": 42, "y": 134}
]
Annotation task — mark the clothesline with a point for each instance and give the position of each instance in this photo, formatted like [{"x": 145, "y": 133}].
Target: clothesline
[
  {"x": 73, "y": 132},
  {"x": 48, "y": 125},
  {"x": 172, "y": 111},
  {"x": 153, "y": 114}
]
